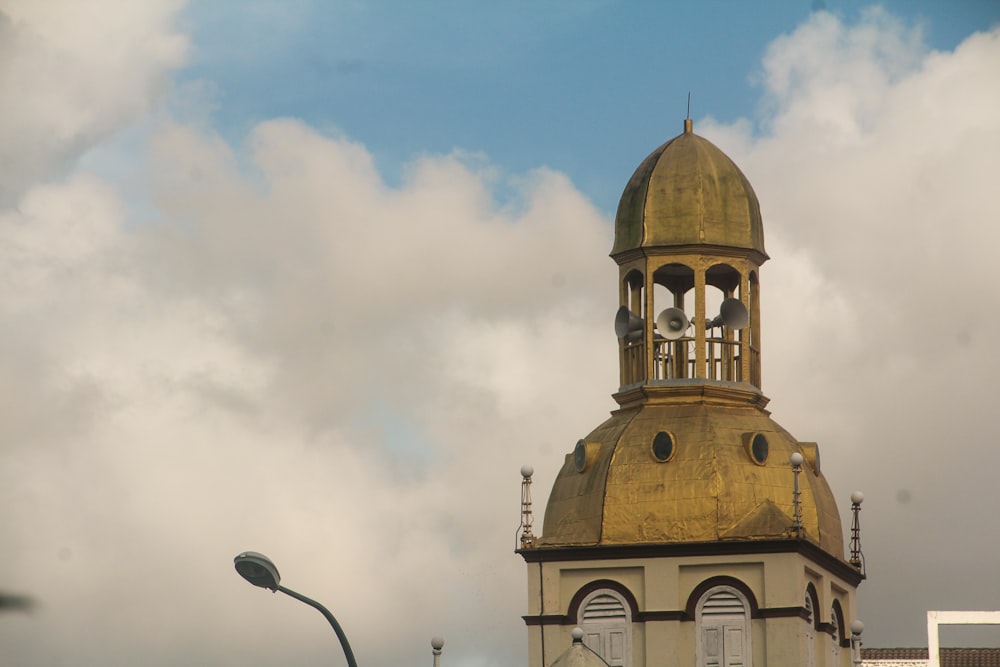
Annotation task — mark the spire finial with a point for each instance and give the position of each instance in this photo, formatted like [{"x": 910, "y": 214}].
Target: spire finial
[{"x": 687, "y": 119}]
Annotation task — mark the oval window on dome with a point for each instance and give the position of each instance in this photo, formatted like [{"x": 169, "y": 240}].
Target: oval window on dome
[
  {"x": 580, "y": 456},
  {"x": 759, "y": 448},
  {"x": 663, "y": 446}
]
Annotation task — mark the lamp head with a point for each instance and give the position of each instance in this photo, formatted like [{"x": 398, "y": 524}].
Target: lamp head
[
  {"x": 857, "y": 627},
  {"x": 257, "y": 569}
]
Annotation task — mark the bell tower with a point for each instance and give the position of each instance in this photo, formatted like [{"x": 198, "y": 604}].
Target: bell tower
[
  {"x": 690, "y": 529},
  {"x": 688, "y": 222}
]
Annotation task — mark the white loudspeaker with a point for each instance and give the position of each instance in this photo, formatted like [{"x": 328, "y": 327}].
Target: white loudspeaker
[
  {"x": 732, "y": 313},
  {"x": 672, "y": 323},
  {"x": 627, "y": 324}
]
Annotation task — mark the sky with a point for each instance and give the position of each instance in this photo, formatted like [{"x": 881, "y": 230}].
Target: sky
[{"x": 316, "y": 279}]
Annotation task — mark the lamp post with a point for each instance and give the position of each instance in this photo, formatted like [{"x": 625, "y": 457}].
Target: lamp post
[
  {"x": 437, "y": 643},
  {"x": 260, "y": 571},
  {"x": 857, "y": 627}
]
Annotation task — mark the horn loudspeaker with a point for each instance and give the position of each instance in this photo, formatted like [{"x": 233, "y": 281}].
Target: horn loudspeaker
[
  {"x": 627, "y": 323},
  {"x": 732, "y": 313},
  {"x": 672, "y": 323}
]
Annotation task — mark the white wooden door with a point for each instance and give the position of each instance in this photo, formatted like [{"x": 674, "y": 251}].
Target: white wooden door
[
  {"x": 606, "y": 628},
  {"x": 724, "y": 642},
  {"x": 810, "y": 634},
  {"x": 724, "y": 627},
  {"x": 835, "y": 640},
  {"x": 607, "y": 642}
]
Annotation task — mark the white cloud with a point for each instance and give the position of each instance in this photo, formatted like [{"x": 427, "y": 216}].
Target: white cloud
[
  {"x": 875, "y": 180},
  {"x": 72, "y": 74},
  {"x": 300, "y": 359}
]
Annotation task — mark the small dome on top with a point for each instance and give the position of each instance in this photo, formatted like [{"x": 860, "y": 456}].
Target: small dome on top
[{"x": 688, "y": 192}]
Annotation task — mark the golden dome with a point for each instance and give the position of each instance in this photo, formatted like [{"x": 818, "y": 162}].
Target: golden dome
[
  {"x": 687, "y": 192},
  {"x": 614, "y": 490}
]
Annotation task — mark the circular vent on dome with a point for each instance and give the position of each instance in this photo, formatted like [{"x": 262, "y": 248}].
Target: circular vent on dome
[{"x": 663, "y": 446}]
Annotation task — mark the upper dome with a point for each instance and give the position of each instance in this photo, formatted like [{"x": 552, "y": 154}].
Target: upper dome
[{"x": 686, "y": 192}]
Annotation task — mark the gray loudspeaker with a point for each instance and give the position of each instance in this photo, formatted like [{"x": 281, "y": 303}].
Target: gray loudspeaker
[
  {"x": 732, "y": 313},
  {"x": 672, "y": 323},
  {"x": 627, "y": 324}
]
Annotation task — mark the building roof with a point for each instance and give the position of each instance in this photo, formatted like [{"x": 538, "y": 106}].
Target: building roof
[
  {"x": 709, "y": 490},
  {"x": 950, "y": 657}
]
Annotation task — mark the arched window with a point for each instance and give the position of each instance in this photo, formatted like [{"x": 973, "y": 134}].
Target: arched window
[
  {"x": 606, "y": 621},
  {"x": 809, "y": 635},
  {"x": 834, "y": 639},
  {"x": 837, "y": 636},
  {"x": 723, "y": 627}
]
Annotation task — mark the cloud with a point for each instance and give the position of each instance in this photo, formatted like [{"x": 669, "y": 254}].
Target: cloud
[
  {"x": 875, "y": 178},
  {"x": 294, "y": 357},
  {"x": 72, "y": 74}
]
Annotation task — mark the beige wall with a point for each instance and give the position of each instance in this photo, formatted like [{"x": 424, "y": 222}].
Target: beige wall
[{"x": 665, "y": 584}]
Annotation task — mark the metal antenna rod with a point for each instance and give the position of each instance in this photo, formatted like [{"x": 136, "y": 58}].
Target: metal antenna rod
[
  {"x": 857, "y": 558},
  {"x": 796, "y": 461},
  {"x": 527, "y": 538}
]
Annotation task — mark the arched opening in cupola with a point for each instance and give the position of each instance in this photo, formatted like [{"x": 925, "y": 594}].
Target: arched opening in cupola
[
  {"x": 726, "y": 319},
  {"x": 673, "y": 337},
  {"x": 631, "y": 345}
]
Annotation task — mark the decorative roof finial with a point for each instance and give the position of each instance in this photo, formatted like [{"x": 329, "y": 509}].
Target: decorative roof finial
[
  {"x": 687, "y": 119},
  {"x": 857, "y": 558},
  {"x": 857, "y": 627},
  {"x": 437, "y": 643},
  {"x": 796, "y": 460},
  {"x": 526, "y": 537}
]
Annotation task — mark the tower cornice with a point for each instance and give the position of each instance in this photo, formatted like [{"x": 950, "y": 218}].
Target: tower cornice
[
  {"x": 634, "y": 254},
  {"x": 696, "y": 390},
  {"x": 804, "y": 548}
]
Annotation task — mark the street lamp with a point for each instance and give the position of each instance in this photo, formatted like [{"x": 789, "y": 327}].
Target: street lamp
[
  {"x": 857, "y": 627},
  {"x": 260, "y": 571},
  {"x": 437, "y": 643}
]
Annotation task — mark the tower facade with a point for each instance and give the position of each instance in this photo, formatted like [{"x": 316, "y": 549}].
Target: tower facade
[{"x": 682, "y": 531}]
